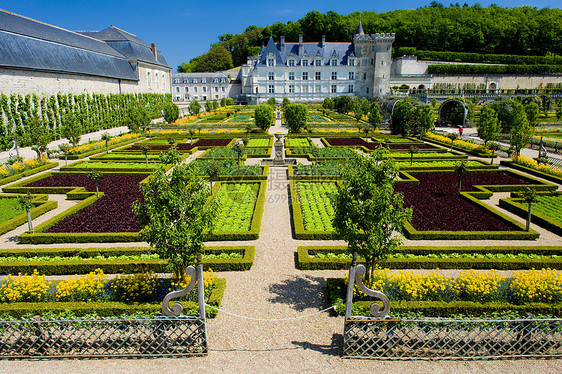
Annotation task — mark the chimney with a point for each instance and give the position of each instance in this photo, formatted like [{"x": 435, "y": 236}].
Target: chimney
[
  {"x": 323, "y": 41},
  {"x": 154, "y": 52},
  {"x": 282, "y": 43},
  {"x": 301, "y": 47}
]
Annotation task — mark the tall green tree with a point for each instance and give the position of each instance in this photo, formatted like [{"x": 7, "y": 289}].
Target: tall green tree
[
  {"x": 137, "y": 117},
  {"x": 71, "y": 130},
  {"x": 488, "y": 127},
  {"x": 296, "y": 116},
  {"x": 217, "y": 59},
  {"x": 171, "y": 112},
  {"x": 521, "y": 133},
  {"x": 367, "y": 211},
  {"x": 263, "y": 116},
  {"x": 176, "y": 213},
  {"x": 375, "y": 117},
  {"x": 532, "y": 111},
  {"x": 194, "y": 108}
]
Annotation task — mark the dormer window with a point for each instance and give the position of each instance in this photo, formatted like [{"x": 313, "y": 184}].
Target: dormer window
[
  {"x": 194, "y": 80},
  {"x": 304, "y": 62},
  {"x": 318, "y": 62},
  {"x": 291, "y": 62},
  {"x": 270, "y": 62},
  {"x": 351, "y": 62},
  {"x": 334, "y": 62},
  {"x": 203, "y": 80}
]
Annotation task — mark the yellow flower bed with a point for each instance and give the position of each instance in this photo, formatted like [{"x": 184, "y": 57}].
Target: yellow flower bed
[
  {"x": 82, "y": 288},
  {"x": 32, "y": 288},
  {"x": 21, "y": 166},
  {"x": 530, "y": 163},
  {"x": 527, "y": 286},
  {"x": 460, "y": 143},
  {"x": 100, "y": 144}
]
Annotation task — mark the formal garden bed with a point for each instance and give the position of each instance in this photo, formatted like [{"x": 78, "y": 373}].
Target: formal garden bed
[
  {"x": 112, "y": 166},
  {"x": 13, "y": 215},
  {"x": 462, "y": 257},
  {"x": 228, "y": 169},
  {"x": 115, "y": 260},
  {"x": 12, "y": 172},
  {"x": 546, "y": 211},
  {"x": 392, "y": 145}
]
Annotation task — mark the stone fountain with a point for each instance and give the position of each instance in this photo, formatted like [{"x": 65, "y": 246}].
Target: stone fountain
[{"x": 278, "y": 149}]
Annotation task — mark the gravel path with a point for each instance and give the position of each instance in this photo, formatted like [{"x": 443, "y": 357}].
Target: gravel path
[{"x": 275, "y": 289}]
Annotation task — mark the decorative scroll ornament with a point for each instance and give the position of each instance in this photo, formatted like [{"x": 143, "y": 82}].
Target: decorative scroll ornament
[
  {"x": 177, "y": 307},
  {"x": 10, "y": 152},
  {"x": 375, "y": 308}
]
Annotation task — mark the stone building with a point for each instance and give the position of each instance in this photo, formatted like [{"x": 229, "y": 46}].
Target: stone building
[
  {"x": 44, "y": 59},
  {"x": 187, "y": 87}
]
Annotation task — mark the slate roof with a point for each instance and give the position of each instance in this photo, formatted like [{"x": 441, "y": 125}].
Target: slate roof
[
  {"x": 342, "y": 50},
  {"x": 33, "y": 45}
]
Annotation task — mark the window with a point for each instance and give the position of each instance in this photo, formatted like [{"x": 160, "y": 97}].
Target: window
[
  {"x": 291, "y": 88},
  {"x": 367, "y": 89},
  {"x": 334, "y": 62},
  {"x": 148, "y": 78},
  {"x": 334, "y": 75},
  {"x": 216, "y": 96},
  {"x": 271, "y": 88},
  {"x": 304, "y": 89},
  {"x": 203, "y": 80},
  {"x": 187, "y": 97},
  {"x": 350, "y": 88},
  {"x": 178, "y": 89},
  {"x": 223, "y": 89},
  {"x": 364, "y": 76},
  {"x": 185, "y": 81},
  {"x": 351, "y": 75},
  {"x": 304, "y": 62},
  {"x": 204, "y": 89},
  {"x": 186, "y": 89},
  {"x": 291, "y": 62},
  {"x": 351, "y": 62},
  {"x": 270, "y": 62},
  {"x": 194, "y": 80},
  {"x": 305, "y": 75},
  {"x": 194, "y": 89},
  {"x": 215, "y": 80},
  {"x": 270, "y": 76},
  {"x": 176, "y": 81},
  {"x": 317, "y": 76},
  {"x": 372, "y": 61},
  {"x": 318, "y": 88},
  {"x": 334, "y": 88},
  {"x": 292, "y": 76},
  {"x": 317, "y": 62},
  {"x": 216, "y": 89},
  {"x": 382, "y": 62}
]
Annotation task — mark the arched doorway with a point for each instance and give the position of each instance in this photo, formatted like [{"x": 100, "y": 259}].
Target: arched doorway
[
  {"x": 492, "y": 86},
  {"x": 387, "y": 107},
  {"x": 452, "y": 113}
]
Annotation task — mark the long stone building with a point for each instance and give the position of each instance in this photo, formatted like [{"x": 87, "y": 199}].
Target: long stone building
[{"x": 44, "y": 59}]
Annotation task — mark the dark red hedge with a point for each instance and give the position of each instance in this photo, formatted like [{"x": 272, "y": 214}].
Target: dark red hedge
[{"x": 437, "y": 205}]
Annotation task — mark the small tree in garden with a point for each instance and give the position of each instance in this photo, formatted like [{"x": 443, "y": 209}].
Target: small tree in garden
[
  {"x": 453, "y": 136},
  {"x": 263, "y": 116},
  {"x": 532, "y": 111},
  {"x": 271, "y": 101},
  {"x": 488, "y": 127},
  {"x": 239, "y": 149},
  {"x": 25, "y": 202},
  {"x": 64, "y": 148},
  {"x": 208, "y": 106},
  {"x": 367, "y": 211},
  {"x": 328, "y": 103},
  {"x": 191, "y": 133},
  {"x": 145, "y": 149},
  {"x": 137, "y": 117},
  {"x": 494, "y": 147},
  {"x": 171, "y": 112},
  {"x": 412, "y": 151},
  {"x": 286, "y": 101},
  {"x": 199, "y": 128},
  {"x": 530, "y": 197},
  {"x": 215, "y": 104},
  {"x": 223, "y": 102},
  {"x": 521, "y": 133},
  {"x": 213, "y": 169},
  {"x": 71, "y": 129},
  {"x": 460, "y": 170},
  {"x": 175, "y": 214},
  {"x": 96, "y": 176},
  {"x": 375, "y": 116},
  {"x": 433, "y": 103},
  {"x": 172, "y": 156},
  {"x": 106, "y": 137},
  {"x": 194, "y": 108},
  {"x": 296, "y": 116}
]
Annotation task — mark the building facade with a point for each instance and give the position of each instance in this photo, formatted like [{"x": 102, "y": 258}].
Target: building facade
[
  {"x": 309, "y": 72},
  {"x": 202, "y": 87},
  {"x": 37, "y": 58}
]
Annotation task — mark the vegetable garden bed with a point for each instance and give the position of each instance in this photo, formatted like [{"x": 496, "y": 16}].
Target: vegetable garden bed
[{"x": 546, "y": 212}]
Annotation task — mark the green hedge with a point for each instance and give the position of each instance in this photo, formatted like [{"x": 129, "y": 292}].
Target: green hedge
[
  {"x": 42, "y": 206},
  {"x": 122, "y": 266},
  {"x": 448, "y": 145},
  {"x": 108, "y": 309},
  {"x": 531, "y": 171},
  {"x": 337, "y": 289},
  {"x": 224, "y": 178},
  {"x": 29, "y": 172},
  {"x": 306, "y": 262},
  {"x": 513, "y": 205},
  {"x": 77, "y": 167},
  {"x": 493, "y": 69},
  {"x": 479, "y": 57}
]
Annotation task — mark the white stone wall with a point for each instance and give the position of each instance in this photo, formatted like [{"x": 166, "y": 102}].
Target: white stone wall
[{"x": 159, "y": 81}]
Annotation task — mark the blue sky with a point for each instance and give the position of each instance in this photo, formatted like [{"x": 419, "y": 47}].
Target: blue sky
[{"x": 185, "y": 29}]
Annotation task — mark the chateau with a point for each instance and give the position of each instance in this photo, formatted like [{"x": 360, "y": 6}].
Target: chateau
[{"x": 37, "y": 58}]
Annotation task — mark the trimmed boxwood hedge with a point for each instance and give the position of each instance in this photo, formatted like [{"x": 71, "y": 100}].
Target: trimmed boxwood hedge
[
  {"x": 337, "y": 289},
  {"x": 111, "y": 308},
  {"x": 306, "y": 262},
  {"x": 121, "y": 266},
  {"x": 42, "y": 206},
  {"x": 448, "y": 145},
  {"x": 536, "y": 173},
  {"x": 29, "y": 172}
]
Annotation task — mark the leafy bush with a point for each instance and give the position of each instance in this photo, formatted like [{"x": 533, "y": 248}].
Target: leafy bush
[{"x": 494, "y": 69}]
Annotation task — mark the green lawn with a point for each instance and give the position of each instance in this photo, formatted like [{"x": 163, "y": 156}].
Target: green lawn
[{"x": 9, "y": 208}]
